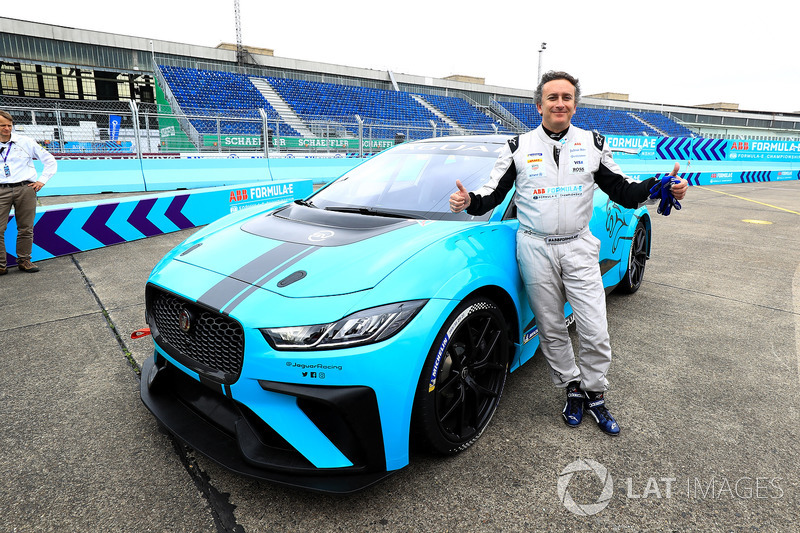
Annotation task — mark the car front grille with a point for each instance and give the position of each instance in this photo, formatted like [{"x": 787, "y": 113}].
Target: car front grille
[{"x": 213, "y": 345}]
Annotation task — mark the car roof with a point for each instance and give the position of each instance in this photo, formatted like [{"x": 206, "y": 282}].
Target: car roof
[{"x": 482, "y": 139}]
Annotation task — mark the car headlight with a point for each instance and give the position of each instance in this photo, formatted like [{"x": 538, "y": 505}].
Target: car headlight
[{"x": 363, "y": 327}]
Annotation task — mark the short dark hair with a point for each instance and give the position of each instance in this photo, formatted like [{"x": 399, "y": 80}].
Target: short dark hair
[
  {"x": 6, "y": 115},
  {"x": 557, "y": 75}
]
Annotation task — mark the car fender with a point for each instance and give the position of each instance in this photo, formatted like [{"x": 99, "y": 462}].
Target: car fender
[
  {"x": 627, "y": 237},
  {"x": 644, "y": 215},
  {"x": 459, "y": 264},
  {"x": 482, "y": 258}
]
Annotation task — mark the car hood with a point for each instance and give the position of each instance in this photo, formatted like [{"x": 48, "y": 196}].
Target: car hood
[{"x": 301, "y": 252}]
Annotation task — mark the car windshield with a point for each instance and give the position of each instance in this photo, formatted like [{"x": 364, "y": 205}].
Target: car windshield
[{"x": 413, "y": 180}]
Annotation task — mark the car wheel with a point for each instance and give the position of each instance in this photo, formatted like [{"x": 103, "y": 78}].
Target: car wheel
[
  {"x": 637, "y": 260},
  {"x": 463, "y": 378}
]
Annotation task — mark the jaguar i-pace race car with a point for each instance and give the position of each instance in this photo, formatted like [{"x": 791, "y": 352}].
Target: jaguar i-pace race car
[{"x": 311, "y": 344}]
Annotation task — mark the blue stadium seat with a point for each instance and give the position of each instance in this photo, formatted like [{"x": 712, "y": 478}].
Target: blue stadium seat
[
  {"x": 606, "y": 121},
  {"x": 213, "y": 93},
  {"x": 377, "y": 107},
  {"x": 464, "y": 114},
  {"x": 205, "y": 93}
]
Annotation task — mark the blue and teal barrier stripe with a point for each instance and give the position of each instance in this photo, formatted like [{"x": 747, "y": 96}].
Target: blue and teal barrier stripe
[{"x": 71, "y": 228}]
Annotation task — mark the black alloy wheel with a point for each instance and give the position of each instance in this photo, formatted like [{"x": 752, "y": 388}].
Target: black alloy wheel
[{"x": 463, "y": 378}]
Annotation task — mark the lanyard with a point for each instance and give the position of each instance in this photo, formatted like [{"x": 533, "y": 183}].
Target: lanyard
[{"x": 5, "y": 153}]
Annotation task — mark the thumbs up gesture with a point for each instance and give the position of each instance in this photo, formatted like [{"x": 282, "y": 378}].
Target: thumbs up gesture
[
  {"x": 460, "y": 199},
  {"x": 669, "y": 190},
  {"x": 679, "y": 185}
]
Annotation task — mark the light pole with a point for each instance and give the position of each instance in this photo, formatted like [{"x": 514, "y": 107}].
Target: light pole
[{"x": 542, "y": 49}]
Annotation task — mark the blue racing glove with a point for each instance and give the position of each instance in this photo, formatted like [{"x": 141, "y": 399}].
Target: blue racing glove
[{"x": 663, "y": 189}]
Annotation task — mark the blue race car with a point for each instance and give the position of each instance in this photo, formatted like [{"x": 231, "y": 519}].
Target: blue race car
[{"x": 313, "y": 343}]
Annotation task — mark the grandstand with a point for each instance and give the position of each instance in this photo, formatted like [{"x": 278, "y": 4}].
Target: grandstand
[
  {"x": 335, "y": 102},
  {"x": 207, "y": 93},
  {"x": 184, "y": 97},
  {"x": 201, "y": 92}
]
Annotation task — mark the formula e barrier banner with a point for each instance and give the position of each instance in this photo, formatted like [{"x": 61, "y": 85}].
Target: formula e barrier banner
[
  {"x": 71, "y": 228},
  {"x": 80, "y": 147},
  {"x": 641, "y": 147},
  {"x": 764, "y": 150},
  {"x": 699, "y": 149},
  {"x": 724, "y": 177}
]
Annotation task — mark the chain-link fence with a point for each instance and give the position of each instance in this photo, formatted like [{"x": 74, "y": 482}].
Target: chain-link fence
[{"x": 87, "y": 128}]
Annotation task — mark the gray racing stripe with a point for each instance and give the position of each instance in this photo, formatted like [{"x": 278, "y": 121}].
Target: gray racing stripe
[
  {"x": 263, "y": 281},
  {"x": 242, "y": 279}
]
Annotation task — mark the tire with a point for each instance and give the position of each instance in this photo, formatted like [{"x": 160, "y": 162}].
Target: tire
[
  {"x": 637, "y": 260},
  {"x": 462, "y": 379}
]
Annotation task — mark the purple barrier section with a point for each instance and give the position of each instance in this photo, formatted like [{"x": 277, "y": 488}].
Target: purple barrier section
[{"x": 76, "y": 227}]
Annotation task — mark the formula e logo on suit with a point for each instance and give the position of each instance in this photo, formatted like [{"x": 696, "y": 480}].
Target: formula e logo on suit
[{"x": 547, "y": 193}]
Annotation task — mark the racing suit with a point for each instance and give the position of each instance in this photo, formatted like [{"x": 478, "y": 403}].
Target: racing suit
[{"x": 557, "y": 254}]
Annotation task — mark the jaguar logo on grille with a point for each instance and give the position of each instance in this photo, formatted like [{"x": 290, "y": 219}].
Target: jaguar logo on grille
[{"x": 185, "y": 320}]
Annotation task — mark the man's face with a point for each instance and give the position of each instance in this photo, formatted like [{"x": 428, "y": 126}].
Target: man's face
[
  {"x": 558, "y": 105},
  {"x": 5, "y": 129}
]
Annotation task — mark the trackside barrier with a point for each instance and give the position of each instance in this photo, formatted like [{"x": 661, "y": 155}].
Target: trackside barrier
[
  {"x": 77, "y": 227},
  {"x": 702, "y": 149},
  {"x": 94, "y": 176},
  {"x": 171, "y": 174},
  {"x": 240, "y": 182},
  {"x": 713, "y": 173},
  {"x": 145, "y": 175}
]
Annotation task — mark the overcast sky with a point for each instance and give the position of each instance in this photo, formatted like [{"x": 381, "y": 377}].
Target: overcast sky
[{"x": 683, "y": 52}]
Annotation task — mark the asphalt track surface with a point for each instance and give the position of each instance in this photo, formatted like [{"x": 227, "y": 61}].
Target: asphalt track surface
[{"x": 704, "y": 385}]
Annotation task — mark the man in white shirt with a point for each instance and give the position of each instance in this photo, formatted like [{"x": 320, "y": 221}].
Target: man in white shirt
[{"x": 19, "y": 184}]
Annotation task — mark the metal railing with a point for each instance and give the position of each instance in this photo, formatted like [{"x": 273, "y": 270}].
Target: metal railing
[{"x": 89, "y": 128}]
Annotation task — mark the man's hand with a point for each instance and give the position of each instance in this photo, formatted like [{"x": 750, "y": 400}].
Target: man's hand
[
  {"x": 678, "y": 189},
  {"x": 460, "y": 199},
  {"x": 669, "y": 190},
  {"x": 37, "y": 185}
]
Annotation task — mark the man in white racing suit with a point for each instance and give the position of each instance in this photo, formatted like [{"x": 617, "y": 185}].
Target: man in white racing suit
[{"x": 555, "y": 168}]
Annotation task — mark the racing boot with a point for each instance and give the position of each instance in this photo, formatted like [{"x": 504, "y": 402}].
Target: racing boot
[
  {"x": 573, "y": 408},
  {"x": 596, "y": 405}
]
